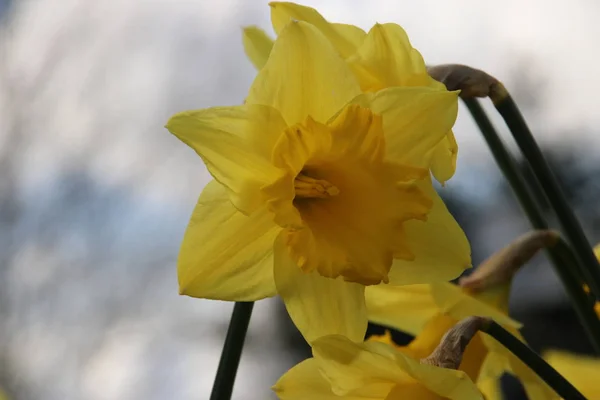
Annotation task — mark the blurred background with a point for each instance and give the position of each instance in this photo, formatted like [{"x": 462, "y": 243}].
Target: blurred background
[{"x": 95, "y": 194}]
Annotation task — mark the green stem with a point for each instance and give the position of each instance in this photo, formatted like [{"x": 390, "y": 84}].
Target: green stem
[
  {"x": 560, "y": 255},
  {"x": 232, "y": 351},
  {"x": 507, "y": 165},
  {"x": 572, "y": 229},
  {"x": 548, "y": 374}
]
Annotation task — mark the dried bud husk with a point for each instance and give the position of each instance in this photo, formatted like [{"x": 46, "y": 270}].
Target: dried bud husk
[
  {"x": 470, "y": 81},
  {"x": 449, "y": 353},
  {"x": 502, "y": 265}
]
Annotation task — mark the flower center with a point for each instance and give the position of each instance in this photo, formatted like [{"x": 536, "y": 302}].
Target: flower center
[
  {"x": 307, "y": 187},
  {"x": 342, "y": 205}
]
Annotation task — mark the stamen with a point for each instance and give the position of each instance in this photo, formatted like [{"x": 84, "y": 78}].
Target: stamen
[{"x": 308, "y": 187}]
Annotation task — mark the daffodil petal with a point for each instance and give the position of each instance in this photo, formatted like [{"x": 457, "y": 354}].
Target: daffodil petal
[
  {"x": 345, "y": 38},
  {"x": 496, "y": 363},
  {"x": 441, "y": 249},
  {"x": 257, "y": 45},
  {"x": 580, "y": 370},
  {"x": 597, "y": 251},
  {"x": 386, "y": 59},
  {"x": 490, "y": 388},
  {"x": 415, "y": 120},
  {"x": 406, "y": 308},
  {"x": 235, "y": 143},
  {"x": 225, "y": 254},
  {"x": 318, "y": 305},
  {"x": 352, "y": 33},
  {"x": 305, "y": 381},
  {"x": 412, "y": 390},
  {"x": 500, "y": 361},
  {"x": 350, "y": 365},
  {"x": 447, "y": 383},
  {"x": 429, "y": 338},
  {"x": 304, "y": 76},
  {"x": 443, "y": 159},
  {"x": 452, "y": 300}
]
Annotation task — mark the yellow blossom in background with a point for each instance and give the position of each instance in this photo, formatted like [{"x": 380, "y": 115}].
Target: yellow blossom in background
[
  {"x": 581, "y": 371},
  {"x": 586, "y": 289},
  {"x": 316, "y": 191},
  {"x": 597, "y": 304},
  {"x": 442, "y": 305},
  {"x": 342, "y": 369},
  {"x": 379, "y": 59},
  {"x": 597, "y": 251}
]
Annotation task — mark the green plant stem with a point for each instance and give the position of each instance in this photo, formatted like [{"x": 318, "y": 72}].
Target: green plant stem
[
  {"x": 560, "y": 255},
  {"x": 548, "y": 374},
  {"x": 572, "y": 229},
  {"x": 232, "y": 351},
  {"x": 507, "y": 165}
]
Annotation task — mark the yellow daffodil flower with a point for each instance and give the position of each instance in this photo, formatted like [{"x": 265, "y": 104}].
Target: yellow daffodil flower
[
  {"x": 586, "y": 288},
  {"x": 379, "y": 59},
  {"x": 442, "y": 305},
  {"x": 581, "y": 371},
  {"x": 342, "y": 369},
  {"x": 315, "y": 192},
  {"x": 597, "y": 251}
]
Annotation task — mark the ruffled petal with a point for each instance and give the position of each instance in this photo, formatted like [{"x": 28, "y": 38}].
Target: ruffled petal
[
  {"x": 225, "y": 254},
  {"x": 318, "y": 305},
  {"x": 406, "y": 308},
  {"x": 235, "y": 143},
  {"x": 345, "y": 38},
  {"x": 257, "y": 45},
  {"x": 304, "y": 76},
  {"x": 415, "y": 121},
  {"x": 441, "y": 249},
  {"x": 386, "y": 59}
]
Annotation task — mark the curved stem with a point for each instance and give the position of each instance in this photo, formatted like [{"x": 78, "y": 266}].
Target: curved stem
[
  {"x": 507, "y": 165},
  {"x": 560, "y": 256},
  {"x": 572, "y": 229},
  {"x": 232, "y": 351},
  {"x": 548, "y": 374}
]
